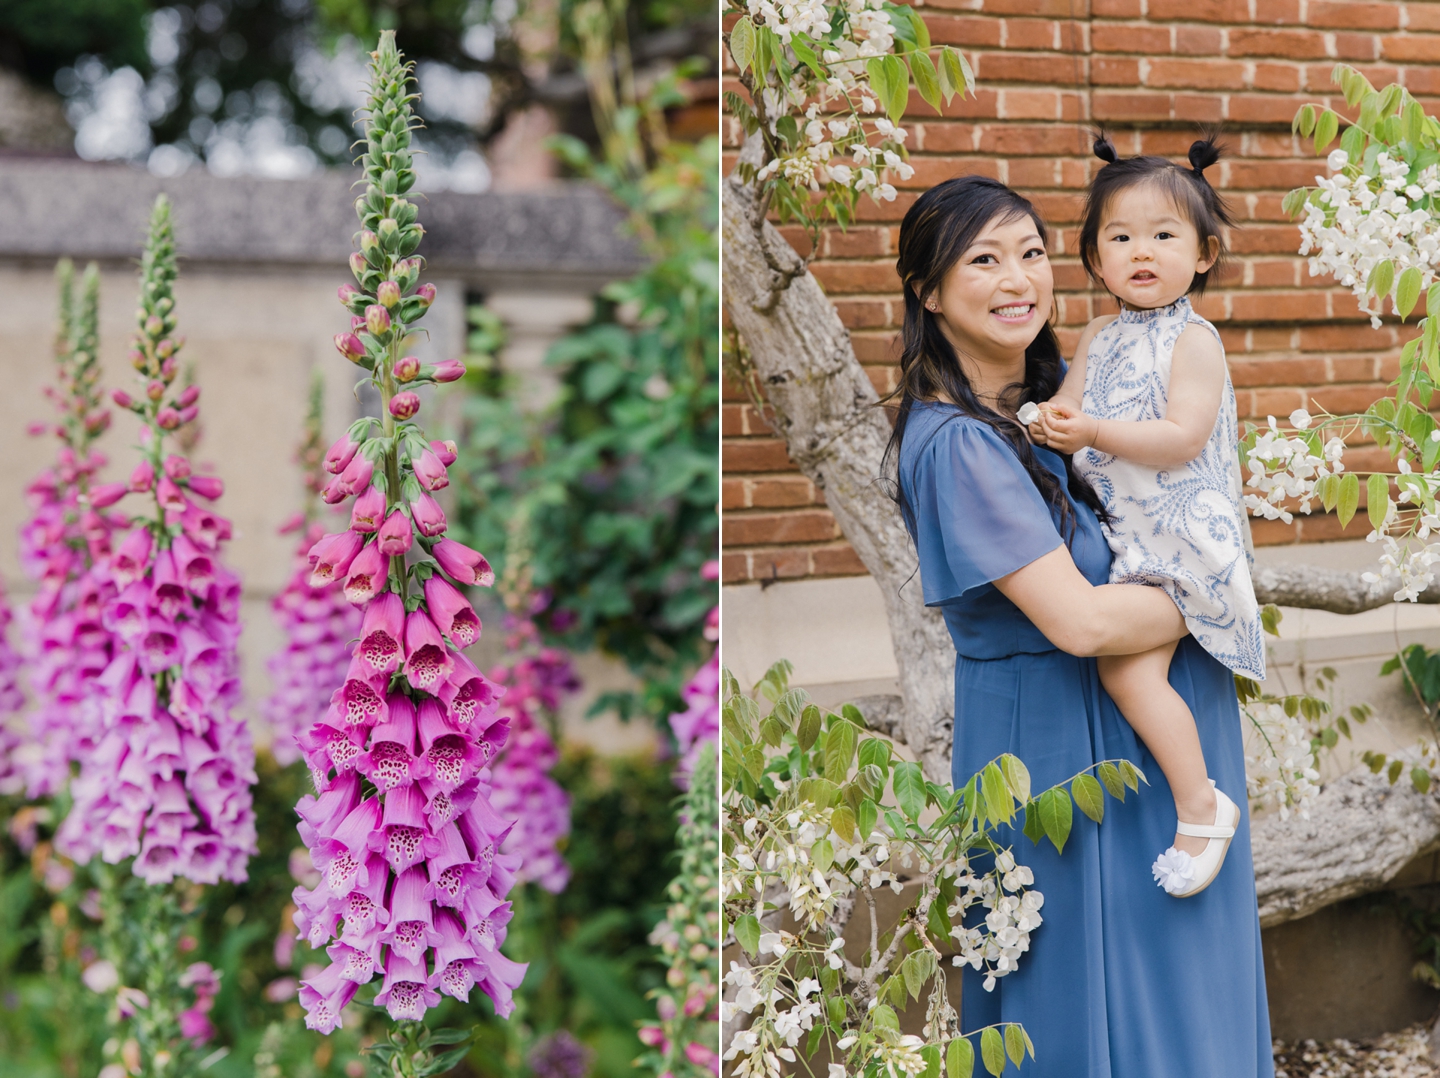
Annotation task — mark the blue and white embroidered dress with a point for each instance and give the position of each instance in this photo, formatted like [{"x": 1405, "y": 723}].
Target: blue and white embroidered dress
[{"x": 1182, "y": 528}]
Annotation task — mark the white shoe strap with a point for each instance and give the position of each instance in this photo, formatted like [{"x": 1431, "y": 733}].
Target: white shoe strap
[{"x": 1203, "y": 830}]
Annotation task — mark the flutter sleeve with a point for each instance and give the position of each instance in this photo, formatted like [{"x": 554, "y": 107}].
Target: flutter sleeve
[{"x": 977, "y": 514}]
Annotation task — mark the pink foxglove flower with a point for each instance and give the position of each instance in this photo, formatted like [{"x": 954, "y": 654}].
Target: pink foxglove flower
[
  {"x": 12, "y": 700},
  {"x": 168, "y": 783},
  {"x": 535, "y": 684},
  {"x": 412, "y": 878},
  {"x": 699, "y": 724}
]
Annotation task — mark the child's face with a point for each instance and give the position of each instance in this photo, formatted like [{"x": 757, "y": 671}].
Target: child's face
[{"x": 1149, "y": 251}]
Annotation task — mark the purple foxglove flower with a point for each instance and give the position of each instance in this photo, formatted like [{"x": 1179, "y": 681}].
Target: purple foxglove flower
[
  {"x": 467, "y": 694},
  {"x": 195, "y": 1025},
  {"x": 377, "y": 319},
  {"x": 449, "y": 370},
  {"x": 388, "y": 294},
  {"x": 426, "y": 294},
  {"x": 107, "y": 494},
  {"x": 169, "y": 495},
  {"x": 430, "y": 472},
  {"x": 330, "y": 743},
  {"x": 457, "y": 961},
  {"x": 344, "y": 856},
  {"x": 453, "y": 614},
  {"x": 429, "y": 517},
  {"x": 368, "y": 574},
  {"x": 453, "y": 872},
  {"x": 442, "y": 807},
  {"x": 368, "y": 511},
  {"x": 356, "y": 476},
  {"x": 364, "y": 908},
  {"x": 358, "y": 964},
  {"x": 324, "y": 996},
  {"x": 404, "y": 405},
  {"x": 350, "y": 346},
  {"x": 451, "y": 758},
  {"x": 142, "y": 478},
  {"x": 396, "y": 534},
  {"x": 204, "y": 529},
  {"x": 168, "y": 418},
  {"x": 321, "y": 815},
  {"x": 403, "y": 837},
  {"x": 390, "y": 761},
  {"x": 334, "y": 492},
  {"x": 207, "y": 486},
  {"x": 699, "y": 723},
  {"x": 446, "y": 451},
  {"x": 177, "y": 467},
  {"x": 406, "y": 993},
  {"x": 382, "y": 634},
  {"x": 132, "y": 557},
  {"x": 465, "y": 565},
  {"x": 407, "y": 369},
  {"x": 339, "y": 455},
  {"x": 194, "y": 566},
  {"x": 411, "y": 930},
  {"x": 360, "y": 700},
  {"x": 428, "y": 661},
  {"x": 330, "y": 558}
]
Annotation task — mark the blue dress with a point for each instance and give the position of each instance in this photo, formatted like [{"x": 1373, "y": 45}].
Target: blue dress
[{"x": 1121, "y": 980}]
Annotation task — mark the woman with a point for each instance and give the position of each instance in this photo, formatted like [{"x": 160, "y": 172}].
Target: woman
[{"x": 1121, "y": 981}]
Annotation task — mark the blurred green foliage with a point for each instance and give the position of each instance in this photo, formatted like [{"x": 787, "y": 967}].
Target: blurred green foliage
[{"x": 42, "y": 36}]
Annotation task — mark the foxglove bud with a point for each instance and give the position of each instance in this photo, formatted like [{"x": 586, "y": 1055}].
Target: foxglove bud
[
  {"x": 350, "y": 347},
  {"x": 340, "y": 454},
  {"x": 356, "y": 476},
  {"x": 357, "y": 323},
  {"x": 425, "y": 294},
  {"x": 388, "y": 293},
  {"x": 345, "y": 293},
  {"x": 142, "y": 477},
  {"x": 369, "y": 243},
  {"x": 168, "y": 370},
  {"x": 395, "y": 534},
  {"x": 97, "y": 422},
  {"x": 465, "y": 565},
  {"x": 155, "y": 389},
  {"x": 369, "y": 574},
  {"x": 107, "y": 494},
  {"x": 207, "y": 486},
  {"x": 388, "y": 231},
  {"x": 335, "y": 491},
  {"x": 430, "y": 472},
  {"x": 358, "y": 266},
  {"x": 404, "y": 405},
  {"x": 122, "y": 399},
  {"x": 137, "y": 359},
  {"x": 189, "y": 415},
  {"x": 377, "y": 319},
  {"x": 169, "y": 495},
  {"x": 429, "y": 517},
  {"x": 406, "y": 369},
  {"x": 446, "y": 451},
  {"x": 368, "y": 510},
  {"x": 154, "y": 326},
  {"x": 165, "y": 349},
  {"x": 167, "y": 418},
  {"x": 451, "y": 370},
  {"x": 189, "y": 397},
  {"x": 177, "y": 467}
]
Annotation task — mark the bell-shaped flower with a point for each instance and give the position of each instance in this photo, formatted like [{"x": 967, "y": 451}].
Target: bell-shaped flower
[
  {"x": 317, "y": 913},
  {"x": 368, "y": 510},
  {"x": 340, "y": 454},
  {"x": 169, "y": 495},
  {"x": 159, "y": 646},
  {"x": 344, "y": 855},
  {"x": 406, "y": 993},
  {"x": 411, "y": 929},
  {"x": 429, "y": 517},
  {"x": 358, "y": 964},
  {"x": 382, "y": 634},
  {"x": 467, "y": 693},
  {"x": 446, "y": 451},
  {"x": 357, "y": 474},
  {"x": 321, "y": 815},
  {"x": 451, "y": 758},
  {"x": 390, "y": 761},
  {"x": 402, "y": 836},
  {"x": 486, "y": 915},
  {"x": 442, "y": 806},
  {"x": 132, "y": 557},
  {"x": 452, "y": 612},
  {"x": 204, "y": 528},
  {"x": 195, "y": 566},
  {"x": 333, "y": 743},
  {"x": 395, "y": 534},
  {"x": 129, "y": 615},
  {"x": 168, "y": 596},
  {"x": 369, "y": 573},
  {"x": 430, "y": 472},
  {"x": 361, "y": 699},
  {"x": 457, "y": 960},
  {"x": 205, "y": 664},
  {"x": 502, "y": 978},
  {"x": 207, "y": 486},
  {"x": 364, "y": 909},
  {"x": 428, "y": 662},
  {"x": 142, "y": 477},
  {"x": 465, "y": 565},
  {"x": 324, "y": 996},
  {"x": 452, "y": 870},
  {"x": 330, "y": 558}
]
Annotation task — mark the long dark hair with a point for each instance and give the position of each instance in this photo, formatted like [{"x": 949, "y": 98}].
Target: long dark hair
[{"x": 937, "y": 230}]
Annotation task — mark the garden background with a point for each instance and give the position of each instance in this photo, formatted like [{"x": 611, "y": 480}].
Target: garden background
[
  {"x": 240, "y": 113},
  {"x": 1150, "y": 71}
]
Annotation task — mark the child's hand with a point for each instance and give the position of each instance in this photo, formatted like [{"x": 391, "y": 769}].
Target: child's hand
[
  {"x": 1031, "y": 414},
  {"x": 1065, "y": 428}
]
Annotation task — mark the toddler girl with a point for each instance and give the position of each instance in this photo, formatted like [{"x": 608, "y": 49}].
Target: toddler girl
[{"x": 1148, "y": 411}]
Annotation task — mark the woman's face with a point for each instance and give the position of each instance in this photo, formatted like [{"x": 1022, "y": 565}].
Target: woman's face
[{"x": 994, "y": 300}]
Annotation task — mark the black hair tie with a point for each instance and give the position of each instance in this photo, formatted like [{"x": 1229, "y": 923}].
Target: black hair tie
[{"x": 1105, "y": 149}]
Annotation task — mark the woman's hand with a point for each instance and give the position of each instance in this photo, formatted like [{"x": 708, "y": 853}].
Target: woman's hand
[{"x": 1064, "y": 427}]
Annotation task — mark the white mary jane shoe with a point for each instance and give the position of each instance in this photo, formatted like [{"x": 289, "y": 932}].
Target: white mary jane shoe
[{"x": 1182, "y": 875}]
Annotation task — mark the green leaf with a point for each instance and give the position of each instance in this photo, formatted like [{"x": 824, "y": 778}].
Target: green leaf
[
  {"x": 1131, "y": 774},
  {"x": 931, "y": 1054},
  {"x": 927, "y": 79},
  {"x": 1015, "y": 1044},
  {"x": 851, "y": 712},
  {"x": 742, "y": 43},
  {"x": 843, "y": 821},
  {"x": 445, "y": 1061},
  {"x": 1393, "y": 771},
  {"x": 883, "y": 1017},
  {"x": 1017, "y": 776},
  {"x": 747, "y": 931},
  {"x": 908, "y": 783},
  {"x": 913, "y": 970},
  {"x": 1326, "y": 128},
  {"x": 876, "y": 751},
  {"x": 866, "y": 813},
  {"x": 959, "y": 1059},
  {"x": 1089, "y": 796},
  {"x": 1353, "y": 142},
  {"x": 442, "y": 1037},
  {"x": 1420, "y": 779},
  {"x": 835, "y": 1005},
  {"x": 999, "y": 804},
  {"x": 1382, "y": 278},
  {"x": 1408, "y": 294},
  {"x": 772, "y": 731},
  {"x": 823, "y": 854},
  {"x": 1056, "y": 817},
  {"x": 1304, "y": 121},
  {"x": 839, "y": 750},
  {"x": 1270, "y": 617},
  {"x": 897, "y": 77},
  {"x": 1110, "y": 778},
  {"x": 992, "y": 1050},
  {"x": 809, "y": 729},
  {"x": 806, "y": 55},
  {"x": 1414, "y": 124},
  {"x": 1377, "y": 490},
  {"x": 1349, "y": 499},
  {"x": 953, "y": 69},
  {"x": 1033, "y": 829}
]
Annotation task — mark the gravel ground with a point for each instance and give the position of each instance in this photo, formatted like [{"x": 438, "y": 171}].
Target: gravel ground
[{"x": 1395, "y": 1055}]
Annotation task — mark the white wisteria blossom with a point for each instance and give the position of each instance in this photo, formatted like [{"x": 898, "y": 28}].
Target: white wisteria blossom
[{"x": 1280, "y": 765}]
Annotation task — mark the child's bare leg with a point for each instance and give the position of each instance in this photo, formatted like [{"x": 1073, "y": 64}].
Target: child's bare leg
[{"x": 1140, "y": 686}]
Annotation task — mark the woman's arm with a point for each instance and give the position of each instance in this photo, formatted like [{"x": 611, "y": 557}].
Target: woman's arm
[
  {"x": 1197, "y": 382},
  {"x": 1082, "y": 619}
]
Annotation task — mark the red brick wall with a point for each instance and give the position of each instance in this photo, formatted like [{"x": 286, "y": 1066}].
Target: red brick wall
[{"x": 1149, "y": 70}]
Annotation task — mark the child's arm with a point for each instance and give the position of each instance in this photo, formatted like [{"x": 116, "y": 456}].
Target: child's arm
[
  {"x": 1072, "y": 390},
  {"x": 1197, "y": 382}
]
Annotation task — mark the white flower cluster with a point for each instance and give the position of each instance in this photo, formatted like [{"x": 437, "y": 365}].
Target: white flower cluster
[
  {"x": 790, "y": 17},
  {"x": 774, "y": 1038},
  {"x": 1404, "y": 568},
  {"x": 1280, "y": 768},
  {"x": 1364, "y": 215},
  {"x": 1283, "y": 467},
  {"x": 815, "y": 162},
  {"x": 1014, "y": 914}
]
